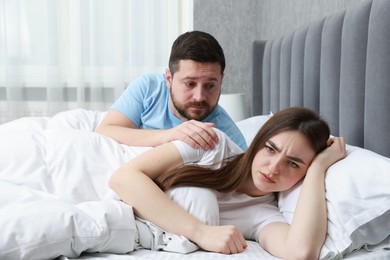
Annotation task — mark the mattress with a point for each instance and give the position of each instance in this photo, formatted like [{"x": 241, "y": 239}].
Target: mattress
[{"x": 254, "y": 251}]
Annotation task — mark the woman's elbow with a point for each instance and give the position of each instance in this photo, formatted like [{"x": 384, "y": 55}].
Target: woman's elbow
[
  {"x": 305, "y": 253},
  {"x": 115, "y": 181}
]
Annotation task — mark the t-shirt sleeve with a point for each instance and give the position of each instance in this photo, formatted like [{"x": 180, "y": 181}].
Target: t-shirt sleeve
[
  {"x": 272, "y": 214},
  {"x": 130, "y": 102},
  {"x": 224, "y": 148},
  {"x": 224, "y": 122},
  {"x": 236, "y": 135}
]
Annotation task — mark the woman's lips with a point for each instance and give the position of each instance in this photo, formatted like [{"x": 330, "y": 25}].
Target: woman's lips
[{"x": 266, "y": 178}]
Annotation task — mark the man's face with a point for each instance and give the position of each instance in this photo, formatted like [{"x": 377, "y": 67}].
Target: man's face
[{"x": 195, "y": 89}]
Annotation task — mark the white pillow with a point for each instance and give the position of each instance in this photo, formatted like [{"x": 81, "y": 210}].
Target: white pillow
[
  {"x": 358, "y": 200},
  {"x": 250, "y": 126},
  {"x": 76, "y": 119}
]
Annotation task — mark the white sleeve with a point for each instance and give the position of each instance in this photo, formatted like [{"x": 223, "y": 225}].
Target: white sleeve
[
  {"x": 269, "y": 214},
  {"x": 224, "y": 148}
]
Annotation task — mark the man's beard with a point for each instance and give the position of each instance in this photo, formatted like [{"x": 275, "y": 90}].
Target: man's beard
[{"x": 196, "y": 115}]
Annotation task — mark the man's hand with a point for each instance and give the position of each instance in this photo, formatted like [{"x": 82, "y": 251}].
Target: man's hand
[
  {"x": 194, "y": 133},
  {"x": 123, "y": 130}
]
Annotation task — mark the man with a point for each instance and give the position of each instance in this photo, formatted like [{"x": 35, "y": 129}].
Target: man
[{"x": 181, "y": 104}]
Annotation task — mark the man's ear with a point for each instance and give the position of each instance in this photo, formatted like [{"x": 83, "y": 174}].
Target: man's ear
[{"x": 168, "y": 78}]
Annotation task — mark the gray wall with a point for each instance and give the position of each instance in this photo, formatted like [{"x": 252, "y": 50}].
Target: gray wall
[{"x": 237, "y": 23}]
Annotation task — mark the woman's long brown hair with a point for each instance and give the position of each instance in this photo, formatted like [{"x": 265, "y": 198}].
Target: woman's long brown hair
[{"x": 237, "y": 169}]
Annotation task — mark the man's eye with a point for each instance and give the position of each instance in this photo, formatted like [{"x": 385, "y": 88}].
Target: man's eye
[
  {"x": 209, "y": 86},
  {"x": 191, "y": 84}
]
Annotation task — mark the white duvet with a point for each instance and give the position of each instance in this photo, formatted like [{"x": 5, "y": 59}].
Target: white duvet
[{"x": 54, "y": 197}]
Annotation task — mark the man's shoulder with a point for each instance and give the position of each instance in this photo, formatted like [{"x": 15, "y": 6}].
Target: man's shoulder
[
  {"x": 220, "y": 117},
  {"x": 151, "y": 81},
  {"x": 226, "y": 124},
  {"x": 154, "y": 76}
]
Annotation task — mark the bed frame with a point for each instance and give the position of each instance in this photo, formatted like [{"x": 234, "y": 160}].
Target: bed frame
[{"x": 338, "y": 66}]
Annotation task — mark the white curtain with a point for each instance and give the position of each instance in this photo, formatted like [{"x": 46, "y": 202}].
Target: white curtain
[{"x": 57, "y": 55}]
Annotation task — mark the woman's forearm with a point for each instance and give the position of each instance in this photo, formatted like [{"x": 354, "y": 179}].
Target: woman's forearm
[
  {"x": 150, "y": 202},
  {"x": 133, "y": 183},
  {"x": 309, "y": 227},
  {"x": 308, "y": 231}
]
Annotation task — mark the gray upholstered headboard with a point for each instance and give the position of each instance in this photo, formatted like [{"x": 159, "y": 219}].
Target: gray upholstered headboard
[{"x": 338, "y": 66}]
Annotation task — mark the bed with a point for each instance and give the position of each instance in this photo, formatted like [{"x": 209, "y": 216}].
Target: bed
[{"x": 54, "y": 198}]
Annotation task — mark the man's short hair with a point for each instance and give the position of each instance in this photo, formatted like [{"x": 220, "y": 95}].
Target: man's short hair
[{"x": 197, "y": 46}]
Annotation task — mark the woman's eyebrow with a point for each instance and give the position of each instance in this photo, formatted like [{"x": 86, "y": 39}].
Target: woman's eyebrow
[{"x": 294, "y": 158}]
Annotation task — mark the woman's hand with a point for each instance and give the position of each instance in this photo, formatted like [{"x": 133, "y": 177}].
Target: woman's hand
[
  {"x": 333, "y": 153},
  {"x": 220, "y": 239}
]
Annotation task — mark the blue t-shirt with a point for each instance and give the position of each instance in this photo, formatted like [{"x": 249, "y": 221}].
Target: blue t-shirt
[{"x": 145, "y": 103}]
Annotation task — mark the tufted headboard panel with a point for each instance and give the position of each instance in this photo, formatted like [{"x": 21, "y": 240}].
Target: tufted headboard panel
[{"x": 338, "y": 66}]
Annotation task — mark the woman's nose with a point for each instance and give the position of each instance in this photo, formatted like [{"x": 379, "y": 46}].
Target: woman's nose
[{"x": 274, "y": 167}]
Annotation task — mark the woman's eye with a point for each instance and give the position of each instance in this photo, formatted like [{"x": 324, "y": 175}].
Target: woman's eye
[
  {"x": 293, "y": 164},
  {"x": 269, "y": 149}
]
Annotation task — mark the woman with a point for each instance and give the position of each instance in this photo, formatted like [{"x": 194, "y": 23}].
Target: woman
[{"x": 294, "y": 143}]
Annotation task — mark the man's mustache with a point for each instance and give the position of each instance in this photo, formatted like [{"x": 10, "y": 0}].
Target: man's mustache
[{"x": 199, "y": 104}]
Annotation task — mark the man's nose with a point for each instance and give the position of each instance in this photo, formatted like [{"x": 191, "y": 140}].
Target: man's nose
[{"x": 199, "y": 94}]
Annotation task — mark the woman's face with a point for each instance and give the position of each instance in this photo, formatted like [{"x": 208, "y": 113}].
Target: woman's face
[{"x": 281, "y": 163}]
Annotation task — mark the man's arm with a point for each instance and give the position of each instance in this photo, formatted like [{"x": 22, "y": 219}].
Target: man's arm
[{"x": 123, "y": 130}]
